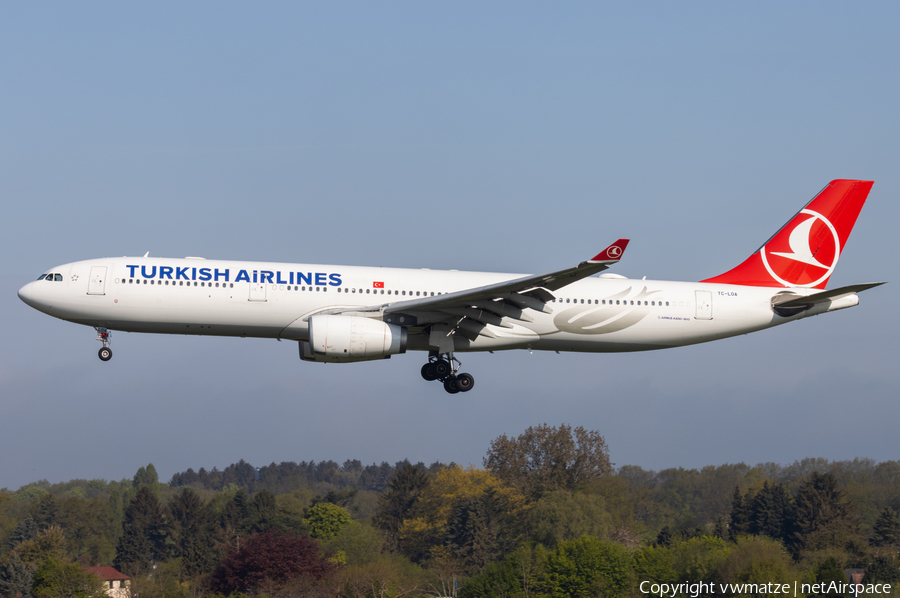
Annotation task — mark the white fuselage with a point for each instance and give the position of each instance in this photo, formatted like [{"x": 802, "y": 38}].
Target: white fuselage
[{"x": 275, "y": 300}]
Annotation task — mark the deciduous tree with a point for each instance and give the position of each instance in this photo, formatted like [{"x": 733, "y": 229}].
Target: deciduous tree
[
  {"x": 546, "y": 458},
  {"x": 271, "y": 558}
]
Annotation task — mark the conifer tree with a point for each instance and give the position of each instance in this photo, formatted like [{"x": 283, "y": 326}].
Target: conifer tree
[
  {"x": 26, "y": 529},
  {"x": 191, "y": 530},
  {"x": 740, "y": 519},
  {"x": 143, "y": 534},
  {"x": 45, "y": 512},
  {"x": 822, "y": 517},
  {"x": 397, "y": 504},
  {"x": 887, "y": 529},
  {"x": 15, "y": 577}
]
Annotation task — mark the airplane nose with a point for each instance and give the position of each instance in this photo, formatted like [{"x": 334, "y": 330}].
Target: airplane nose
[{"x": 27, "y": 294}]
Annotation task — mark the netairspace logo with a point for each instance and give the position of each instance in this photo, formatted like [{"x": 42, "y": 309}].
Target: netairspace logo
[{"x": 700, "y": 588}]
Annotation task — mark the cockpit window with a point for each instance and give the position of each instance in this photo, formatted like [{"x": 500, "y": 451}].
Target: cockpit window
[
  {"x": 57, "y": 277},
  {"x": 41, "y": 277}
]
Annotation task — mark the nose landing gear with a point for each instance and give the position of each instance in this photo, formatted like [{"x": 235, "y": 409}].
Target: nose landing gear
[
  {"x": 105, "y": 353},
  {"x": 444, "y": 367}
]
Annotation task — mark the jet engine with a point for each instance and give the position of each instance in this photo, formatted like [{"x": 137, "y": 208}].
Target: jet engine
[{"x": 345, "y": 339}]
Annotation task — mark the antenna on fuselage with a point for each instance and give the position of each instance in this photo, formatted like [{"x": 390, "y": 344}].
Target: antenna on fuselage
[{"x": 147, "y": 254}]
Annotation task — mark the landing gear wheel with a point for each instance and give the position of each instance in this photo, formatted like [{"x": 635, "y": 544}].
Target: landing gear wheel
[
  {"x": 105, "y": 354},
  {"x": 451, "y": 386},
  {"x": 428, "y": 372},
  {"x": 465, "y": 382},
  {"x": 442, "y": 368}
]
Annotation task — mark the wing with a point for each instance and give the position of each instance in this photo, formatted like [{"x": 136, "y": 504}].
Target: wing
[{"x": 468, "y": 312}]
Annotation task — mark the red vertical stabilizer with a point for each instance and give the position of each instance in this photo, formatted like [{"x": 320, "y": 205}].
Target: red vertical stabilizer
[{"x": 805, "y": 251}]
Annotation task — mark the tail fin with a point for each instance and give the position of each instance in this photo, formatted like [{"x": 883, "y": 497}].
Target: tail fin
[{"x": 805, "y": 251}]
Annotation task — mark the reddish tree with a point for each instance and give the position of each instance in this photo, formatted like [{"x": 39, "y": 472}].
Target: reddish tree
[{"x": 270, "y": 558}]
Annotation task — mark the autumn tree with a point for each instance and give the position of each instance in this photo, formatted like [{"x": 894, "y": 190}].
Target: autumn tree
[
  {"x": 456, "y": 489},
  {"x": 270, "y": 559},
  {"x": 545, "y": 458}
]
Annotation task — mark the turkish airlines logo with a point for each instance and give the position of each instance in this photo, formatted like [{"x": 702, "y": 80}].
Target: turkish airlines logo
[
  {"x": 808, "y": 256},
  {"x": 614, "y": 251}
]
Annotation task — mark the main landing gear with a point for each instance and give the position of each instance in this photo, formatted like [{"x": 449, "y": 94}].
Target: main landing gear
[
  {"x": 441, "y": 367},
  {"x": 105, "y": 353}
]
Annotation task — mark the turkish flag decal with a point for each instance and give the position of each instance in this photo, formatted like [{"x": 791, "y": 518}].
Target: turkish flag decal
[{"x": 378, "y": 285}]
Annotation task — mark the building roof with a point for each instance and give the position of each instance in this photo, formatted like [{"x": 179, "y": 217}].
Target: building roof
[{"x": 107, "y": 573}]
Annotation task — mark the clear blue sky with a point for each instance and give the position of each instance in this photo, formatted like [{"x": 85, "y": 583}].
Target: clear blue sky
[{"x": 511, "y": 136}]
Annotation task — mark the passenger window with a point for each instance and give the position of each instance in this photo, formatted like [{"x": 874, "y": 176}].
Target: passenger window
[
  {"x": 404, "y": 292},
  {"x": 617, "y": 302},
  {"x": 367, "y": 291}
]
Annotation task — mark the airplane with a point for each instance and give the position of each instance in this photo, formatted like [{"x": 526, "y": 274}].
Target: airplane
[{"x": 344, "y": 314}]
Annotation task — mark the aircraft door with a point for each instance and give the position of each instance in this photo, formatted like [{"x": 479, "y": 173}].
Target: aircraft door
[
  {"x": 97, "y": 282},
  {"x": 704, "y": 305},
  {"x": 257, "y": 291}
]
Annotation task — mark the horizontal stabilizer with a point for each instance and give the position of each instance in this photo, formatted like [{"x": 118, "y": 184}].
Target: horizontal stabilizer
[{"x": 791, "y": 300}]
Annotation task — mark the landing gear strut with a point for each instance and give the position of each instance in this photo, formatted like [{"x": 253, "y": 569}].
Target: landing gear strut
[
  {"x": 444, "y": 367},
  {"x": 105, "y": 353}
]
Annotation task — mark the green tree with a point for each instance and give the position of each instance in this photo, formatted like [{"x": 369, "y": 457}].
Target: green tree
[
  {"x": 45, "y": 511},
  {"x": 771, "y": 513},
  {"x": 655, "y": 564},
  {"x": 545, "y": 458},
  {"x": 699, "y": 558},
  {"x": 562, "y": 515},
  {"x": 740, "y": 516},
  {"x": 191, "y": 532},
  {"x": 15, "y": 576},
  {"x": 886, "y": 531},
  {"x": 325, "y": 520},
  {"x": 50, "y": 543},
  {"x": 398, "y": 503},
  {"x": 882, "y": 570},
  {"x": 143, "y": 536},
  {"x": 757, "y": 560},
  {"x": 826, "y": 572},
  {"x": 55, "y": 579},
  {"x": 585, "y": 567},
  {"x": 482, "y": 529},
  {"x": 357, "y": 542},
  {"x": 147, "y": 477},
  {"x": 823, "y": 516},
  {"x": 26, "y": 529},
  {"x": 264, "y": 511}
]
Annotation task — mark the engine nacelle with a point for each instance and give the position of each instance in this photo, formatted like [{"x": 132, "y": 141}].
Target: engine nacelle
[{"x": 344, "y": 339}]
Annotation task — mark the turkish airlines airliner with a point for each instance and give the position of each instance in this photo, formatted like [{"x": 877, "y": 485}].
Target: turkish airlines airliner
[{"x": 342, "y": 314}]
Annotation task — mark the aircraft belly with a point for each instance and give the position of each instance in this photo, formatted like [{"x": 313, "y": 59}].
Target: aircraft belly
[{"x": 201, "y": 315}]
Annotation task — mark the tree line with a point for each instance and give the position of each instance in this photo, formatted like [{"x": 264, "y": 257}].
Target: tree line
[{"x": 546, "y": 514}]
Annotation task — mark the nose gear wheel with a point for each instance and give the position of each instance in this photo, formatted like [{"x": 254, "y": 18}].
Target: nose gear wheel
[{"x": 105, "y": 353}]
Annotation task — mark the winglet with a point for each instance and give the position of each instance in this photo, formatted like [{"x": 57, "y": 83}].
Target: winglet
[{"x": 613, "y": 253}]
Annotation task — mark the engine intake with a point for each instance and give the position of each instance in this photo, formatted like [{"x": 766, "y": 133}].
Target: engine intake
[{"x": 345, "y": 339}]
